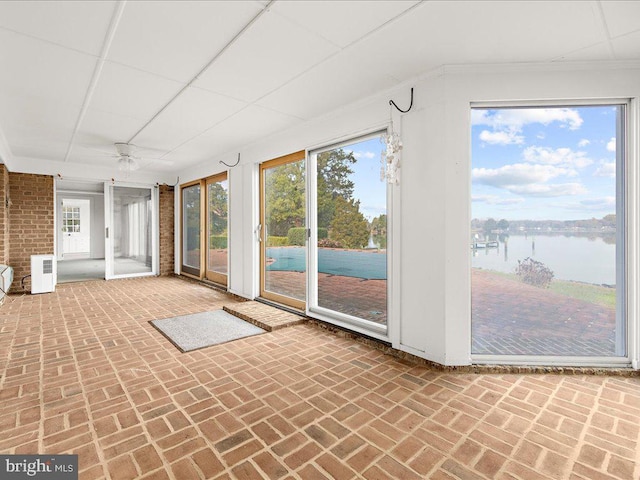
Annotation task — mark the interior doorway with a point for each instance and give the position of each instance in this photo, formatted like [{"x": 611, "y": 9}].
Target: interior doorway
[{"x": 80, "y": 246}]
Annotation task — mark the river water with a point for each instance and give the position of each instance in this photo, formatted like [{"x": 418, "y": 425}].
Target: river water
[{"x": 577, "y": 258}]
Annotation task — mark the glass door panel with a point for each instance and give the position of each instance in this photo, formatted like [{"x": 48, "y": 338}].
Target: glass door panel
[
  {"x": 348, "y": 245},
  {"x": 132, "y": 248},
  {"x": 283, "y": 230},
  {"x": 191, "y": 228},
  {"x": 217, "y": 228}
]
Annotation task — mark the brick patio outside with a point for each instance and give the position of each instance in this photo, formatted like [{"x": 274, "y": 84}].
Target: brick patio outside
[{"x": 83, "y": 372}]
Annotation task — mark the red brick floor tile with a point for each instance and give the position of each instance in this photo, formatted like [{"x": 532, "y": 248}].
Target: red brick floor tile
[{"x": 94, "y": 378}]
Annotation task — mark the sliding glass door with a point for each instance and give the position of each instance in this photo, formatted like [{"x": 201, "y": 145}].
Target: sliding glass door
[
  {"x": 192, "y": 226},
  {"x": 348, "y": 234},
  {"x": 283, "y": 231},
  {"x": 131, "y": 215},
  {"x": 217, "y": 225}
]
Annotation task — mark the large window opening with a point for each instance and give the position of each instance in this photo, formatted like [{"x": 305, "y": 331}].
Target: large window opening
[
  {"x": 547, "y": 232},
  {"x": 348, "y": 242}
]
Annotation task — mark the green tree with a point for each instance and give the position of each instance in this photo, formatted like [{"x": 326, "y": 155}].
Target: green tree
[
  {"x": 333, "y": 182},
  {"x": 609, "y": 220},
  {"x": 285, "y": 198},
  {"x": 349, "y": 227},
  {"x": 379, "y": 225},
  {"x": 489, "y": 226},
  {"x": 503, "y": 224},
  {"x": 218, "y": 208}
]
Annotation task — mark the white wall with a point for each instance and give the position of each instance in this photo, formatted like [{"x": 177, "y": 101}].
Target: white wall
[{"x": 433, "y": 318}]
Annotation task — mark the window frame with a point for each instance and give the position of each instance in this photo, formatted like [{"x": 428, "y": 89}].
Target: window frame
[{"x": 627, "y": 196}]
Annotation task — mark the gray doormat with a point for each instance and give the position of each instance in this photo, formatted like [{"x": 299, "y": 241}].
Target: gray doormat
[{"x": 199, "y": 330}]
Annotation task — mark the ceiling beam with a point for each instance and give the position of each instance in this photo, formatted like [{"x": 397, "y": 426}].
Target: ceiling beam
[{"x": 97, "y": 71}]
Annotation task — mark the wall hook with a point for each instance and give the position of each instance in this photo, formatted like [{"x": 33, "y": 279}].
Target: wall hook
[
  {"x": 231, "y": 166},
  {"x": 391, "y": 102}
]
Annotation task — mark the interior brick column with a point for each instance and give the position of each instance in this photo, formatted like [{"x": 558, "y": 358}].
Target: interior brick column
[
  {"x": 4, "y": 215},
  {"x": 31, "y": 218},
  {"x": 166, "y": 230}
]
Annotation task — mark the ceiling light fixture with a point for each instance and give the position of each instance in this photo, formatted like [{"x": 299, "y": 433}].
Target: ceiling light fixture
[{"x": 127, "y": 164}]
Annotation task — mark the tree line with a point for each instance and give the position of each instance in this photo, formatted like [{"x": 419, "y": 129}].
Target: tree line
[{"x": 338, "y": 212}]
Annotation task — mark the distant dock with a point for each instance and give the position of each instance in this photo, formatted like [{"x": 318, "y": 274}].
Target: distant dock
[{"x": 479, "y": 245}]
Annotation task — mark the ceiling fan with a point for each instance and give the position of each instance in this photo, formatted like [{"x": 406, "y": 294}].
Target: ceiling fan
[{"x": 126, "y": 158}]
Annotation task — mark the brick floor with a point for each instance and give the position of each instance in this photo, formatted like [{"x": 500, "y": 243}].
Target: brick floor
[
  {"x": 511, "y": 317},
  {"x": 264, "y": 316},
  {"x": 82, "y": 371}
]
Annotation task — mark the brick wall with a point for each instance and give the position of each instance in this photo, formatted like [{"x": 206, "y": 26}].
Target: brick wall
[
  {"x": 31, "y": 219},
  {"x": 167, "y": 216},
  {"x": 4, "y": 215}
]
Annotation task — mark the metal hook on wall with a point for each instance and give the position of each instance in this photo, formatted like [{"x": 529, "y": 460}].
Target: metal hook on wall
[
  {"x": 231, "y": 166},
  {"x": 391, "y": 102}
]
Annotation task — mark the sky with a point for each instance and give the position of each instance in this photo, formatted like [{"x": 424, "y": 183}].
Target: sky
[
  {"x": 368, "y": 188},
  {"x": 543, "y": 163}
]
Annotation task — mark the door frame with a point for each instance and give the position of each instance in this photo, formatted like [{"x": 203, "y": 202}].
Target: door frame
[
  {"x": 264, "y": 293},
  {"x": 109, "y": 223},
  {"x": 187, "y": 270},
  {"x": 313, "y": 309}
]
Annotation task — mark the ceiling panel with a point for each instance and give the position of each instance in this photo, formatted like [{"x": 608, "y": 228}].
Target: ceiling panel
[
  {"x": 599, "y": 51},
  {"x": 38, "y": 69},
  {"x": 103, "y": 129},
  {"x": 130, "y": 92},
  {"x": 439, "y": 33},
  {"x": 77, "y": 25},
  {"x": 341, "y": 22},
  {"x": 622, "y": 17},
  {"x": 270, "y": 53},
  {"x": 627, "y": 47},
  {"x": 36, "y": 143},
  {"x": 193, "y": 112},
  {"x": 322, "y": 89},
  {"x": 249, "y": 125},
  {"x": 177, "y": 39}
]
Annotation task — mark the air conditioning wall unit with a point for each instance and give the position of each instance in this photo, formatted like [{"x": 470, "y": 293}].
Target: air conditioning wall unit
[
  {"x": 6, "y": 279},
  {"x": 43, "y": 273}
]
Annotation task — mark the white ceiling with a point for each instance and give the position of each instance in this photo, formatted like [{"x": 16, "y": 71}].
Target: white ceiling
[{"x": 189, "y": 81}]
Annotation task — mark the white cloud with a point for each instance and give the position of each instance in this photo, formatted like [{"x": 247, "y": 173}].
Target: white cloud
[
  {"x": 501, "y": 137},
  {"x": 611, "y": 144},
  {"x": 496, "y": 200},
  {"x": 528, "y": 179},
  {"x": 606, "y": 169},
  {"x": 518, "y": 174},
  {"x": 549, "y": 190},
  {"x": 364, "y": 155},
  {"x": 507, "y": 123},
  {"x": 564, "y": 157},
  {"x": 518, "y": 117},
  {"x": 600, "y": 203},
  {"x": 583, "y": 143}
]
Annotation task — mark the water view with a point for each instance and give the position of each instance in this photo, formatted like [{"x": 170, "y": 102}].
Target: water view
[
  {"x": 546, "y": 206},
  {"x": 570, "y": 257}
]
